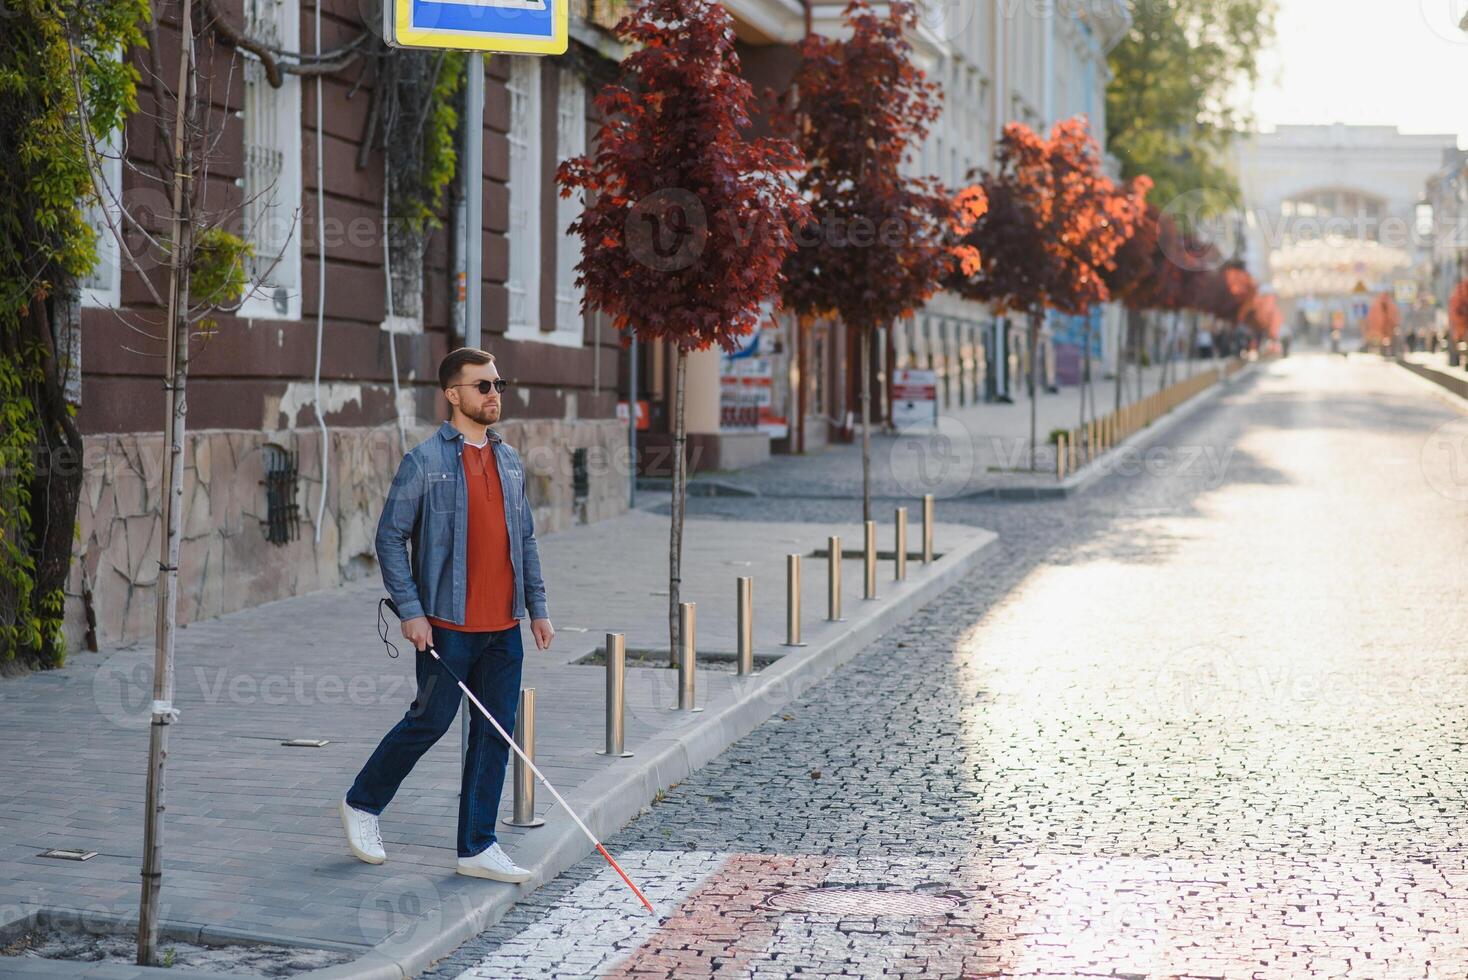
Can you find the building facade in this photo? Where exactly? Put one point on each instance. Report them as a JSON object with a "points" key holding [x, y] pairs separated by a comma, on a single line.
{"points": [[287, 462], [1332, 214], [267, 513]]}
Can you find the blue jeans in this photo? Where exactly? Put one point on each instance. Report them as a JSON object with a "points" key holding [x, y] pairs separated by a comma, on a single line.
{"points": [[490, 664]]}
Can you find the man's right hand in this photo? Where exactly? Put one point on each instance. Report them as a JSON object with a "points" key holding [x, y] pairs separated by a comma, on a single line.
{"points": [[418, 632]]}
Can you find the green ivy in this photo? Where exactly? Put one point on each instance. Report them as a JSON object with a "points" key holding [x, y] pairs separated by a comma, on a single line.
{"points": [[45, 185]]}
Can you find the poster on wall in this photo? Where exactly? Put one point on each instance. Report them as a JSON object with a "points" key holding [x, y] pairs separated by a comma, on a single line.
{"points": [[747, 401], [914, 399]]}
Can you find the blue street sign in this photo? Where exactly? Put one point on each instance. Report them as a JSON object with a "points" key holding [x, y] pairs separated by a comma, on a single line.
{"points": [[507, 26]]}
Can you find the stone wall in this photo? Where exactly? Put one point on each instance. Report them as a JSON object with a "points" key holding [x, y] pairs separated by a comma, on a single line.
{"points": [[227, 563]]}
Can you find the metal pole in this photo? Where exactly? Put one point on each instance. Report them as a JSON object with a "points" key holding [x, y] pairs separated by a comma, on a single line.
{"points": [[687, 656], [524, 815], [833, 580], [473, 255], [927, 529], [792, 601], [869, 562], [474, 201], [616, 696], [632, 426], [899, 547], [744, 603]]}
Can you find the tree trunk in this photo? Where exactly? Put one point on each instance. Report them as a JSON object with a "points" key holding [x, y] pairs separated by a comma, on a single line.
{"points": [[866, 424], [55, 487], [1123, 339], [174, 434], [1034, 352], [1085, 377], [680, 498]]}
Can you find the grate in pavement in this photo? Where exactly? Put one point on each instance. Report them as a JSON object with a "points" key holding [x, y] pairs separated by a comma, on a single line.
{"points": [[862, 902]]}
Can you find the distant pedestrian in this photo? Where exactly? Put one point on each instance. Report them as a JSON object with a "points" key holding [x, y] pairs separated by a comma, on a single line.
{"points": [[456, 542]]}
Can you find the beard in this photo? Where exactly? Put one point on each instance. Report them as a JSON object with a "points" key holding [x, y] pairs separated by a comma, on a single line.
{"points": [[487, 414]]}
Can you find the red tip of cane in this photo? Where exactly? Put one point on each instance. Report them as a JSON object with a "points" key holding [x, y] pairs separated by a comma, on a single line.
{"points": [[630, 884]]}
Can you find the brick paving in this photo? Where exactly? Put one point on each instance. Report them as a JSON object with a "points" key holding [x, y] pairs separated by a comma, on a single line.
{"points": [[253, 841], [1194, 723]]}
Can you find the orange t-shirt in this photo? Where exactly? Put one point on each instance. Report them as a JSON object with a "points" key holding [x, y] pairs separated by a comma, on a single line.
{"points": [[490, 586]]}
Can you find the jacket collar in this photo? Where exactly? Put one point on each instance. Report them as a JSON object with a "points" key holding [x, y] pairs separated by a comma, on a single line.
{"points": [[448, 433]]}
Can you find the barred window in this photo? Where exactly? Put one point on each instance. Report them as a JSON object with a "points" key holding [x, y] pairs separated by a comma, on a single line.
{"points": [[570, 142], [523, 285], [272, 166]]}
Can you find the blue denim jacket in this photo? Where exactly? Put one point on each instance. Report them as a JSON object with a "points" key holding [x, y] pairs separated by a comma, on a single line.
{"points": [[429, 507]]}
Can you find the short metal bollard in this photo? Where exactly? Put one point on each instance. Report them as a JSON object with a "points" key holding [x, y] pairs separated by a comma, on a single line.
{"points": [[744, 627], [833, 580], [687, 656], [927, 529], [524, 810], [616, 697], [899, 546], [869, 562], [792, 601]]}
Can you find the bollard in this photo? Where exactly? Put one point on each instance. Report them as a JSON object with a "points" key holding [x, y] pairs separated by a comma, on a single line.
{"points": [[833, 580], [927, 529], [524, 810], [899, 546], [1075, 438], [744, 613], [616, 697], [687, 656], [869, 562], [1060, 457], [792, 601]]}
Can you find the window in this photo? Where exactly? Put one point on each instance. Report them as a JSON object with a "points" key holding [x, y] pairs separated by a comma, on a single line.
{"points": [[103, 286], [570, 142], [272, 167], [524, 137]]}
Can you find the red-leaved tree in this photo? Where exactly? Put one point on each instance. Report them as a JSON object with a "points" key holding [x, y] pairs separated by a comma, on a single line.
{"points": [[688, 220], [1382, 320], [1130, 280], [1458, 312], [879, 242], [1052, 229]]}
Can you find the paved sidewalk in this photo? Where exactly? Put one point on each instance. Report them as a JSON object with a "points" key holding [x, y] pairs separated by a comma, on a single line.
{"points": [[254, 846], [976, 450]]}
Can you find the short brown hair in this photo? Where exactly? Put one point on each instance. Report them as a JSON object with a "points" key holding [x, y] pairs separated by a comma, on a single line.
{"points": [[451, 368]]}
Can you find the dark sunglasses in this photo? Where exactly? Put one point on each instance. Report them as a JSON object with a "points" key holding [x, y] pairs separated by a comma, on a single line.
{"points": [[498, 384]]}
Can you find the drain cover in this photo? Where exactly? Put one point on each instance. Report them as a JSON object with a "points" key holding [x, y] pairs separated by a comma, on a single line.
{"points": [[855, 901]]}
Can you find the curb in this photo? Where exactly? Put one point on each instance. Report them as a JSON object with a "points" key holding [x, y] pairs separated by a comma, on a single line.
{"points": [[1086, 477], [1447, 387], [607, 803]]}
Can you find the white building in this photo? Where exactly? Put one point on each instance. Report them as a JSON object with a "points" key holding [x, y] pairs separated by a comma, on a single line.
{"points": [[1331, 211]]}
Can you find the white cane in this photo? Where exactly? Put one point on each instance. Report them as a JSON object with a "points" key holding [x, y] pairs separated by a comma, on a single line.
{"points": [[538, 774]]}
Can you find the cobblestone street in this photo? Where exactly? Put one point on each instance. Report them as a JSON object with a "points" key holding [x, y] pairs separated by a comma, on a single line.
{"points": [[1205, 720]]}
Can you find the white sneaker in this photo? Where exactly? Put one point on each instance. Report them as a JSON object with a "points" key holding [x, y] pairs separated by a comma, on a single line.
{"points": [[493, 863], [363, 835]]}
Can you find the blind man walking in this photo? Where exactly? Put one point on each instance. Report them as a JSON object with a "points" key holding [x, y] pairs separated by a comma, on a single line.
{"points": [[456, 543]]}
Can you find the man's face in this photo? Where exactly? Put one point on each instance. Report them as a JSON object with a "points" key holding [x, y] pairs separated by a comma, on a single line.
{"points": [[465, 396]]}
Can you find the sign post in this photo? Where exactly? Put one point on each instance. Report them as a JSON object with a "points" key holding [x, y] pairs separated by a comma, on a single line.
{"points": [[525, 27]]}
